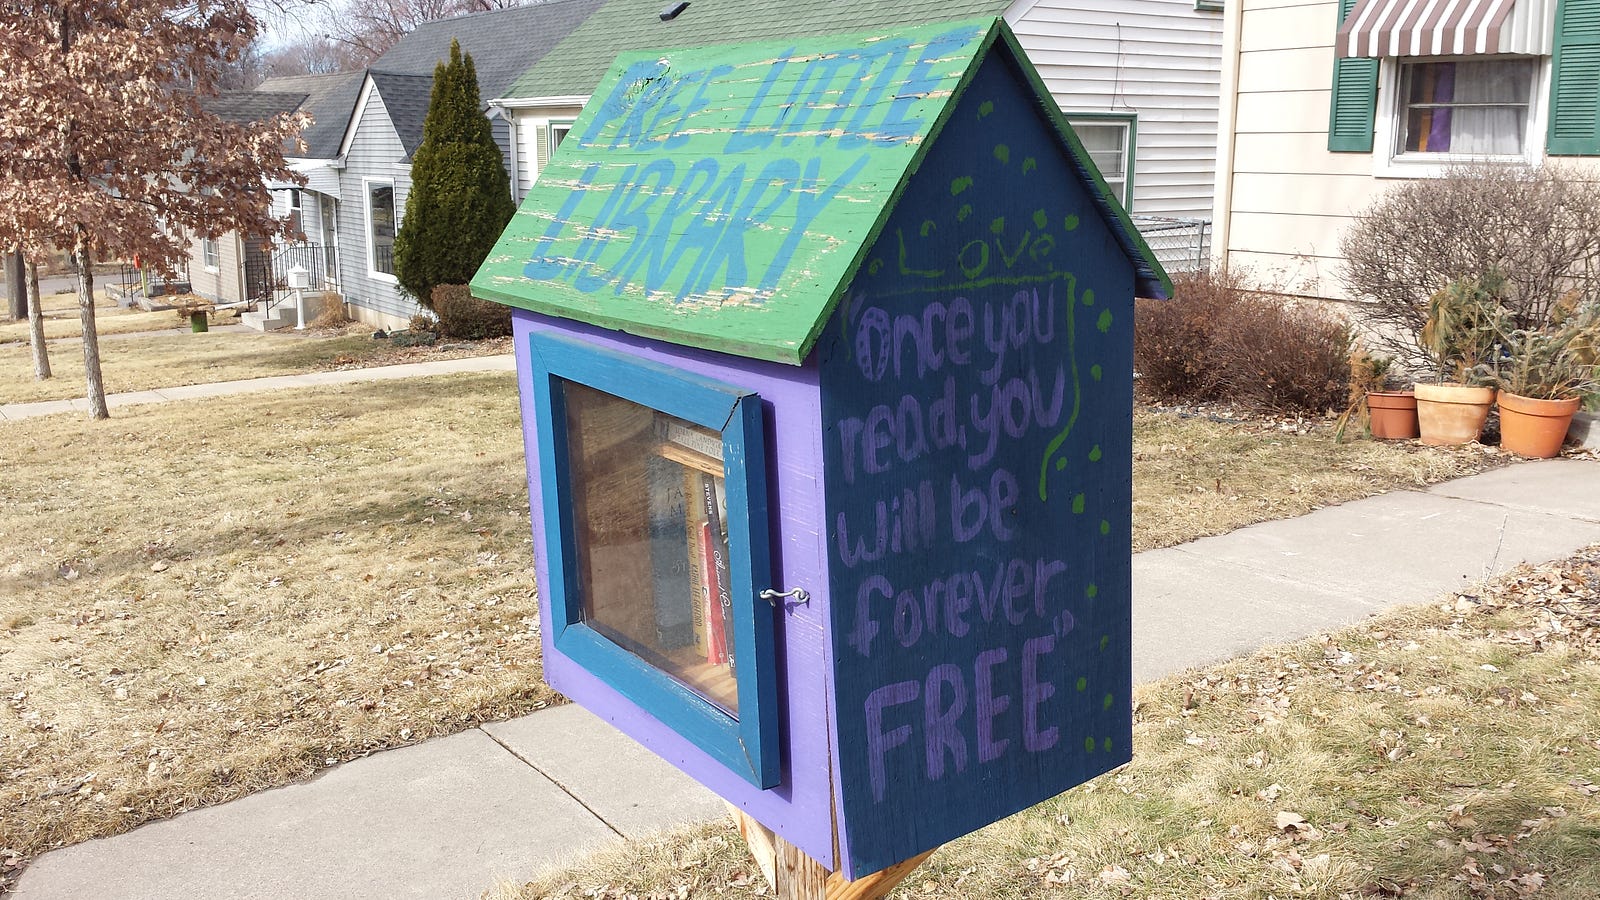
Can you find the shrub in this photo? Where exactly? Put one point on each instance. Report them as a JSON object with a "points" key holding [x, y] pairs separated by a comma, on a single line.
{"points": [[464, 317], [1220, 338], [1172, 338], [1276, 353], [1537, 228], [423, 323], [460, 196]]}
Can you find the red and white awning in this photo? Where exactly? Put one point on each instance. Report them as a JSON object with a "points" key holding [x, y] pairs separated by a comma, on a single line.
{"points": [[1447, 28]]}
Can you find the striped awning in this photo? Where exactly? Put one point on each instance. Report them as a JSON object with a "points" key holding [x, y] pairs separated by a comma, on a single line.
{"points": [[1447, 28]]}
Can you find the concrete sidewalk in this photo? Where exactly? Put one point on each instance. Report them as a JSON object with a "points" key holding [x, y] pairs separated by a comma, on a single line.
{"points": [[500, 363], [450, 817]]}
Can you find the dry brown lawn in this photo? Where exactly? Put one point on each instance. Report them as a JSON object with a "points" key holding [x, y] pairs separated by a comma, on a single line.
{"points": [[1194, 476], [1450, 751], [144, 362], [201, 600], [61, 320]]}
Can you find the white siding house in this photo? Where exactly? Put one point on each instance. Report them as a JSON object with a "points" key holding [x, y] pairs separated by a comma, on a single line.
{"points": [[1151, 68], [1317, 123], [386, 129]]}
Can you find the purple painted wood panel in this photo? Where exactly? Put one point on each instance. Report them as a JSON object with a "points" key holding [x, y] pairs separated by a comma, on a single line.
{"points": [[801, 808]]}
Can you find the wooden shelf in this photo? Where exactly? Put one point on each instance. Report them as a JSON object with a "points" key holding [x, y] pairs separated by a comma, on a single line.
{"points": [[689, 459]]}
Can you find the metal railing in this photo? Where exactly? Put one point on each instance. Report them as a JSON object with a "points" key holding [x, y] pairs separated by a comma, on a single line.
{"points": [[1181, 245], [267, 273], [130, 284]]}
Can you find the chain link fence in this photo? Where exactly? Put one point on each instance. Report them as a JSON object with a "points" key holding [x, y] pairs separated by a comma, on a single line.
{"points": [[1181, 245]]}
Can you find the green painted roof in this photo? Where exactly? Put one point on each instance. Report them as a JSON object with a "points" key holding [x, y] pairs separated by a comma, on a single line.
{"points": [[576, 65], [693, 202], [723, 197]]}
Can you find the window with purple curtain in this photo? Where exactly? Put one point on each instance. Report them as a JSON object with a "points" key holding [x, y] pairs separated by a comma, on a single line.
{"points": [[1466, 107]]}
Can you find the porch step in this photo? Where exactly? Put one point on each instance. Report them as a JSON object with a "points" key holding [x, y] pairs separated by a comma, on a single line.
{"points": [[280, 316]]}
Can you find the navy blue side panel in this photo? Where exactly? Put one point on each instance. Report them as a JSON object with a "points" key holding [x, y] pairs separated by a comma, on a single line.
{"points": [[977, 415]]}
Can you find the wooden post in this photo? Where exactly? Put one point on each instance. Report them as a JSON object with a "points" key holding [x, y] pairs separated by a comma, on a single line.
{"points": [[796, 876]]}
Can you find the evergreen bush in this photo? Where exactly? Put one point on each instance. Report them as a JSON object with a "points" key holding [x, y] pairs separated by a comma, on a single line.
{"points": [[460, 197]]}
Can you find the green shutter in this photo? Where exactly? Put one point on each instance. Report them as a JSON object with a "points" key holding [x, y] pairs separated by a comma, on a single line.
{"points": [[1575, 80], [1355, 97]]}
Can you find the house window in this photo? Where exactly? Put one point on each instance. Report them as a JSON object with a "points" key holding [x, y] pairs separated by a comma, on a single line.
{"points": [[297, 229], [380, 228], [1479, 107], [1109, 139], [209, 256], [558, 133]]}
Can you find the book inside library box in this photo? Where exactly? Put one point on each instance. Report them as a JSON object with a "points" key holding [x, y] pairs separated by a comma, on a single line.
{"points": [[654, 575]]}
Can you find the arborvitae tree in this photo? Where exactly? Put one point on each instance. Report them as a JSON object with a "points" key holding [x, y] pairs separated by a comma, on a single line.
{"points": [[460, 196]]}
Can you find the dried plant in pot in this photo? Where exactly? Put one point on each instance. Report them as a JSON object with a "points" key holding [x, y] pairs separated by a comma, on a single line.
{"points": [[1543, 375], [1465, 321], [1380, 403]]}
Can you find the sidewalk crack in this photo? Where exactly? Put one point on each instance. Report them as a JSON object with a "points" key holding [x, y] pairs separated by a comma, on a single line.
{"points": [[553, 780]]}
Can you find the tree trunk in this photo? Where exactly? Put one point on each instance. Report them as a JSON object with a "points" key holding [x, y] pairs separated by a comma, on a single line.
{"points": [[91, 339], [16, 285], [41, 359]]}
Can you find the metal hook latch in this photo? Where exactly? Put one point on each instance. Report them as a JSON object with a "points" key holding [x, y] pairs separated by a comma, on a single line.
{"points": [[799, 595]]}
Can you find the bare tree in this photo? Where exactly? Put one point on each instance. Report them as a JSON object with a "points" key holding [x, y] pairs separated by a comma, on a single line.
{"points": [[310, 54], [367, 28], [106, 147]]}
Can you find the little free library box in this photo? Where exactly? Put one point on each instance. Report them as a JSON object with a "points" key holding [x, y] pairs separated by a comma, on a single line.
{"points": [[825, 361]]}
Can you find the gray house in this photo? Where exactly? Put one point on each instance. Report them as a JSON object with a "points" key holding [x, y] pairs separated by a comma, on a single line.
{"points": [[386, 129], [236, 269]]}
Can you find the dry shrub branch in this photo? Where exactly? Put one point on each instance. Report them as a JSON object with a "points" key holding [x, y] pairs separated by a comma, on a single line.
{"points": [[1222, 338], [1537, 228]]}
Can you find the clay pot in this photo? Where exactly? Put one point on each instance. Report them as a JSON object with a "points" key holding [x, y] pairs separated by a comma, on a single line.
{"points": [[1393, 415], [1534, 428], [1449, 414]]}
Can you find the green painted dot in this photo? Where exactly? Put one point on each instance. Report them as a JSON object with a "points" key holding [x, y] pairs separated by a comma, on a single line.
{"points": [[1104, 323], [1040, 219], [1088, 745], [1061, 463], [963, 212], [985, 108], [1029, 164], [1095, 454], [929, 226], [1088, 298], [1002, 153], [1083, 684], [1077, 503], [1071, 224], [1106, 703], [1096, 372], [1105, 527], [1105, 641], [1092, 591], [959, 185], [1106, 745], [998, 225]]}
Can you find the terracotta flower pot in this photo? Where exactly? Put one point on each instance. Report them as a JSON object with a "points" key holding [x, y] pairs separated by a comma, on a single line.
{"points": [[1394, 415], [1449, 414], [1534, 428]]}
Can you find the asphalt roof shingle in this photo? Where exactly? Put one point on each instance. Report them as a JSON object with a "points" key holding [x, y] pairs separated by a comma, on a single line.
{"points": [[575, 66], [406, 98], [330, 100], [503, 43], [246, 107]]}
